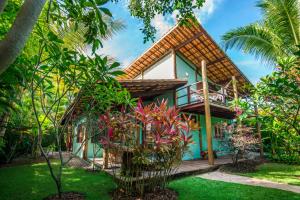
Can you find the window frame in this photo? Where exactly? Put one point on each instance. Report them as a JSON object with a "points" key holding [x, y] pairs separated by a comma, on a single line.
{"points": [[218, 131]]}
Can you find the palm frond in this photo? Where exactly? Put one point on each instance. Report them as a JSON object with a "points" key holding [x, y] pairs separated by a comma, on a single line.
{"points": [[74, 37], [113, 27], [283, 17], [254, 39]]}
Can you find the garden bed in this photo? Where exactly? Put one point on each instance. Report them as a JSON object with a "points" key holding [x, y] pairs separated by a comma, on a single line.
{"points": [[160, 194], [246, 166]]}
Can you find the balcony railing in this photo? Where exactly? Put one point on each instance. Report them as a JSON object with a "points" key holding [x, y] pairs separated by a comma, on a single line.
{"points": [[193, 93]]}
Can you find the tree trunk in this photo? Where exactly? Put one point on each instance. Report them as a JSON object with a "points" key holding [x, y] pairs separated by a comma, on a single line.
{"points": [[258, 130], [2, 5], [3, 123], [15, 40]]}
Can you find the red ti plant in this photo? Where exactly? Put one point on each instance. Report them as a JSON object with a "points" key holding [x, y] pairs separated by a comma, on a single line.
{"points": [[151, 140], [163, 126]]}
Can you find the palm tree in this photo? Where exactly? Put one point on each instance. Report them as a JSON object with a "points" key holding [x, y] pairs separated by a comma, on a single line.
{"points": [[74, 38], [276, 35]]}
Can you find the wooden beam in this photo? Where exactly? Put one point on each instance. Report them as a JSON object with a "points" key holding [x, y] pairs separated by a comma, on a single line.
{"points": [[220, 49], [207, 115], [69, 136], [188, 41], [200, 134], [235, 91], [105, 158], [189, 94], [216, 61], [174, 63], [86, 142], [149, 94]]}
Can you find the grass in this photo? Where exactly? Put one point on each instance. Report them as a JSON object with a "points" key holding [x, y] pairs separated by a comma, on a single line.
{"points": [[202, 189], [33, 182], [276, 172]]}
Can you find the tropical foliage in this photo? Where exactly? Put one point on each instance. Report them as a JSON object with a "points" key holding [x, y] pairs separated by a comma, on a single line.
{"points": [[149, 142], [84, 15], [277, 97], [274, 102], [239, 141]]}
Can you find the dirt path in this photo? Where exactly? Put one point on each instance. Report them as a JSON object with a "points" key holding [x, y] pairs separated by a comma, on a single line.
{"points": [[221, 176]]}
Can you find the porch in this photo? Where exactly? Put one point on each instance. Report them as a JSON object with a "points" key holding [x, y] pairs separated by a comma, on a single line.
{"points": [[190, 167], [190, 98], [186, 168]]}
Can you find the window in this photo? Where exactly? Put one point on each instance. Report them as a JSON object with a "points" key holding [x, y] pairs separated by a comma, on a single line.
{"points": [[79, 133], [219, 131]]}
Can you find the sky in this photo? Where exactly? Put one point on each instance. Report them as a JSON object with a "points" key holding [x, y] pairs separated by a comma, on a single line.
{"points": [[216, 16]]}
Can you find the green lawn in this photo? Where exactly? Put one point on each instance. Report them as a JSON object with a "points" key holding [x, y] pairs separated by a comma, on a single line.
{"points": [[202, 189], [33, 182], [281, 173]]}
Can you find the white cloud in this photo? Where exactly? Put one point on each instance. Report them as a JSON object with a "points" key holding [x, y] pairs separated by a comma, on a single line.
{"points": [[165, 23], [119, 46], [162, 24], [208, 8]]}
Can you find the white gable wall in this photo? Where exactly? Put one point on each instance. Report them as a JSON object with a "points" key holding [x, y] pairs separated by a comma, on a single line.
{"points": [[139, 76], [163, 69]]}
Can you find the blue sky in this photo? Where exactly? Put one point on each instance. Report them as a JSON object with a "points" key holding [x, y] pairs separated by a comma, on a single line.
{"points": [[216, 16]]}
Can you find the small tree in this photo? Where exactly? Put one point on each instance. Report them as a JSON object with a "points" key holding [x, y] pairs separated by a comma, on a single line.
{"points": [[98, 99], [239, 141], [149, 142], [55, 74]]}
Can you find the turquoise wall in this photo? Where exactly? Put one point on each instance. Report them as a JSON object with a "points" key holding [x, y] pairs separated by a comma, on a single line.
{"points": [[169, 95], [184, 68], [194, 149], [76, 145], [217, 145], [91, 147]]}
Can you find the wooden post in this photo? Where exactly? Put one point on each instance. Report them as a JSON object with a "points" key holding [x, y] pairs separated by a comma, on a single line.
{"points": [[188, 94], [207, 115], [85, 146], [235, 91], [258, 126], [200, 135], [175, 75], [105, 158], [174, 63], [69, 137]]}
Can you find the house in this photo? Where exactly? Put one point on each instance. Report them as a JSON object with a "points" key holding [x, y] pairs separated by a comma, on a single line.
{"points": [[188, 68]]}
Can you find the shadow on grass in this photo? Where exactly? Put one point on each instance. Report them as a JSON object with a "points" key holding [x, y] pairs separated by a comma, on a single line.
{"points": [[277, 172], [34, 182], [202, 189]]}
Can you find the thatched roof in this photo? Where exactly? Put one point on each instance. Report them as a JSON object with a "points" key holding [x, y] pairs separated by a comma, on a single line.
{"points": [[194, 43]]}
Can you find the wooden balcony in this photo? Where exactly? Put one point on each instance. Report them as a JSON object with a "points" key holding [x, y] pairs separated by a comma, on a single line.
{"points": [[190, 98]]}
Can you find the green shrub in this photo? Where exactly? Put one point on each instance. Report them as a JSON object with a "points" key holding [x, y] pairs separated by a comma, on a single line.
{"points": [[288, 159]]}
